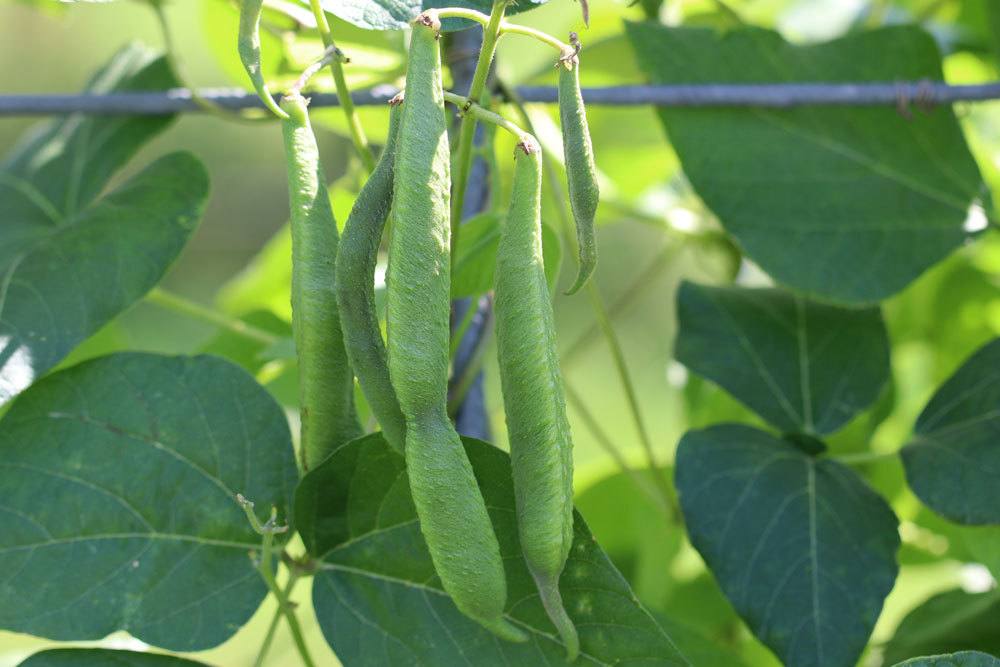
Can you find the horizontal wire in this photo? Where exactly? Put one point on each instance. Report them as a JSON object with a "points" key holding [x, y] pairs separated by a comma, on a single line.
{"points": [[901, 94]]}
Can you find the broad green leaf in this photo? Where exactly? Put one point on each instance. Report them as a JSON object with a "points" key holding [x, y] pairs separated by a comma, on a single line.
{"points": [[951, 621], [476, 256], [962, 659], [847, 204], [397, 14], [68, 263], [118, 479], [801, 365], [802, 547], [379, 602], [101, 657], [953, 461]]}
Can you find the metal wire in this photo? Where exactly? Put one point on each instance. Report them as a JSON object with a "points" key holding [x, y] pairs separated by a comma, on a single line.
{"points": [[900, 94]]}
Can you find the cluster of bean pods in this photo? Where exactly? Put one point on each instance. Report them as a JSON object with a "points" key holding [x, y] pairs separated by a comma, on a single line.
{"points": [[405, 378]]}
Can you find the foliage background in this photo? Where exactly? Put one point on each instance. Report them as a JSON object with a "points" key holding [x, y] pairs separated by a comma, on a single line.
{"points": [[934, 324]]}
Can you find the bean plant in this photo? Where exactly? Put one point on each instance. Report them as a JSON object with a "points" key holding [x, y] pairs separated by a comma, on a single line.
{"points": [[321, 483]]}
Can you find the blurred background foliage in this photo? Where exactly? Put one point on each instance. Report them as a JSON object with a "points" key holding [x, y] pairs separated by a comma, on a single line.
{"points": [[237, 262]]}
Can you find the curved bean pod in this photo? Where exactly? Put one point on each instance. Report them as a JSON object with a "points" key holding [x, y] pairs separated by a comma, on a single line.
{"points": [[326, 382], [248, 46], [541, 447], [452, 512], [581, 172], [356, 259]]}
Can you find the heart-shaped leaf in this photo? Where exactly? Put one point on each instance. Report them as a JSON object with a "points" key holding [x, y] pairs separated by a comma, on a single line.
{"points": [[379, 601], [803, 366], [68, 263], [953, 461], [962, 659], [848, 204], [950, 621], [801, 546], [101, 657], [117, 480]]}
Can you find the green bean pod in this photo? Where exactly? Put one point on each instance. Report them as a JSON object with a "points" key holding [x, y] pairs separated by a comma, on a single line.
{"points": [[541, 447], [326, 382], [357, 256], [248, 45], [581, 172], [449, 504]]}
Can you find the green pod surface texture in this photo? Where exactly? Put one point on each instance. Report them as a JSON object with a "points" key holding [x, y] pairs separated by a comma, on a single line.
{"points": [[357, 256], [326, 382], [449, 504], [581, 172], [248, 45], [541, 447]]}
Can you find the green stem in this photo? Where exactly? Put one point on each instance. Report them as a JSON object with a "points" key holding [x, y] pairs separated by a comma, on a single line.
{"points": [[506, 27], [293, 578], [467, 128], [863, 458], [597, 303], [468, 377], [466, 106], [463, 326], [343, 92], [179, 304]]}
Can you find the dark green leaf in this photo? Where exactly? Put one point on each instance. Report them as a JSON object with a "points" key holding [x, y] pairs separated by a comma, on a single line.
{"points": [[962, 659], [953, 461], [118, 479], [476, 256], [68, 263], [801, 365], [379, 602], [947, 622], [848, 204], [100, 657], [397, 14], [803, 549]]}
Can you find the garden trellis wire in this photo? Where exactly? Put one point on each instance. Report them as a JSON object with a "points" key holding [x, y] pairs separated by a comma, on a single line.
{"points": [[901, 94]]}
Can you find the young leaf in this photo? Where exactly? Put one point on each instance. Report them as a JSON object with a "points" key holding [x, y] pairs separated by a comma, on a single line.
{"points": [[803, 366], [962, 659], [953, 461], [118, 479], [804, 550], [950, 621], [379, 602], [848, 204], [101, 657], [394, 15], [68, 263]]}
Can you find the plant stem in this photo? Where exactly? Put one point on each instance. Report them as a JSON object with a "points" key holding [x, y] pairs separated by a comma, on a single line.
{"points": [[506, 27], [467, 128], [464, 383], [466, 106], [293, 578], [863, 458], [343, 92], [268, 530], [597, 303], [467, 317], [179, 304]]}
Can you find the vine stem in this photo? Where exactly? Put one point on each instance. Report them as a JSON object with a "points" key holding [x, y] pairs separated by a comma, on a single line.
{"points": [[293, 578], [467, 128], [267, 531], [506, 27], [179, 304], [862, 458], [597, 305], [467, 106], [358, 137]]}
